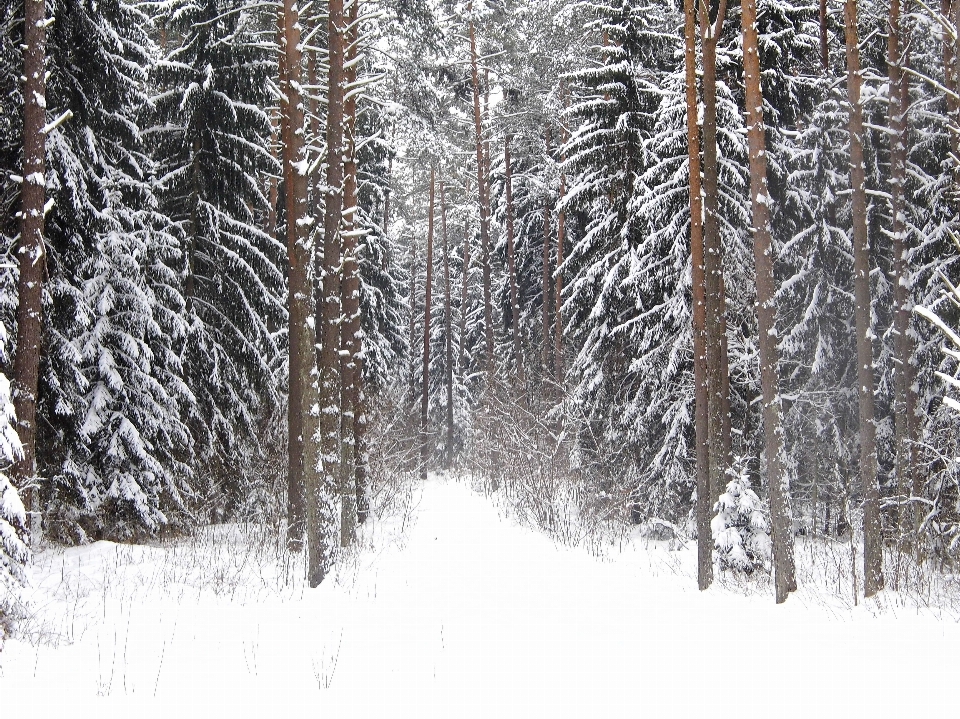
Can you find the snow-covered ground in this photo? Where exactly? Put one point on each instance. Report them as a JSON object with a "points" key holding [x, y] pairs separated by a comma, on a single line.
{"points": [[452, 609]]}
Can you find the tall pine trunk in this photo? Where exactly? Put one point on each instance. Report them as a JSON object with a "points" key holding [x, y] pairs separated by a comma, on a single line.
{"points": [[872, 548], [905, 401], [717, 374], [483, 197], [558, 287], [511, 261], [299, 292], [447, 330], [780, 513], [318, 488], [31, 256], [428, 301], [545, 277], [701, 397], [350, 336]]}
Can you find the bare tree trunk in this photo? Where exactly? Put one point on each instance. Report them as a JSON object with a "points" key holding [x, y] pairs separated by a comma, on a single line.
{"points": [[464, 291], [950, 10], [701, 397], [350, 336], [905, 401], [511, 262], [428, 301], [824, 46], [299, 294], [545, 359], [780, 513], [318, 487], [483, 196], [717, 374], [413, 321], [448, 329], [31, 257], [872, 548], [558, 289]]}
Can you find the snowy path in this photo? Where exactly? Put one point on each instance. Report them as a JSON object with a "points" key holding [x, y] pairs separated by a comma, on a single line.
{"points": [[464, 613]]}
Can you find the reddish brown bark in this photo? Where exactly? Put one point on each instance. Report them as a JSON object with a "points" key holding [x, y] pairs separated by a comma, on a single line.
{"points": [[872, 548], [483, 197], [511, 263], [698, 281], [905, 399], [31, 256], [299, 304], [427, 306], [780, 513], [717, 374], [545, 281], [824, 46], [448, 330], [558, 289], [351, 335]]}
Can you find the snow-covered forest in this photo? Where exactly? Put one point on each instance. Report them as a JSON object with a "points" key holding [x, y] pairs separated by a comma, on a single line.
{"points": [[649, 276]]}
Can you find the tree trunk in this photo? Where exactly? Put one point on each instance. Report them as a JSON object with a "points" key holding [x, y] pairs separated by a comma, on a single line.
{"points": [[824, 46], [318, 486], [950, 10], [780, 512], [350, 336], [483, 196], [905, 401], [428, 301], [447, 329], [511, 262], [701, 398], [299, 304], [464, 292], [716, 337], [545, 359], [558, 289], [872, 548], [31, 257]]}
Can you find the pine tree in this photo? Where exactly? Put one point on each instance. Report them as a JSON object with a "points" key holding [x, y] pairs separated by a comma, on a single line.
{"points": [[741, 528], [13, 552], [212, 135]]}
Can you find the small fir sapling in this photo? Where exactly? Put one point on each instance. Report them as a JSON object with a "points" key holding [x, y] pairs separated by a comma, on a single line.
{"points": [[13, 552], [741, 528]]}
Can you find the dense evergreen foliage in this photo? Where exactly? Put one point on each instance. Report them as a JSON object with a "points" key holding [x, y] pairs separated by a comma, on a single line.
{"points": [[164, 360]]}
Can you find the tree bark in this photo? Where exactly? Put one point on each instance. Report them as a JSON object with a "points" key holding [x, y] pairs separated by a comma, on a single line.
{"points": [[511, 262], [428, 301], [483, 197], [318, 487], [351, 333], [717, 374], [31, 258], [545, 282], [780, 511], [698, 281], [872, 548], [950, 10], [558, 288], [448, 329], [824, 46], [464, 292], [299, 292], [905, 401]]}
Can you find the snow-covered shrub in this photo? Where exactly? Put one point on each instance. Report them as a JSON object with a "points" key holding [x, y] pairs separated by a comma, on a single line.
{"points": [[13, 552], [741, 529]]}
